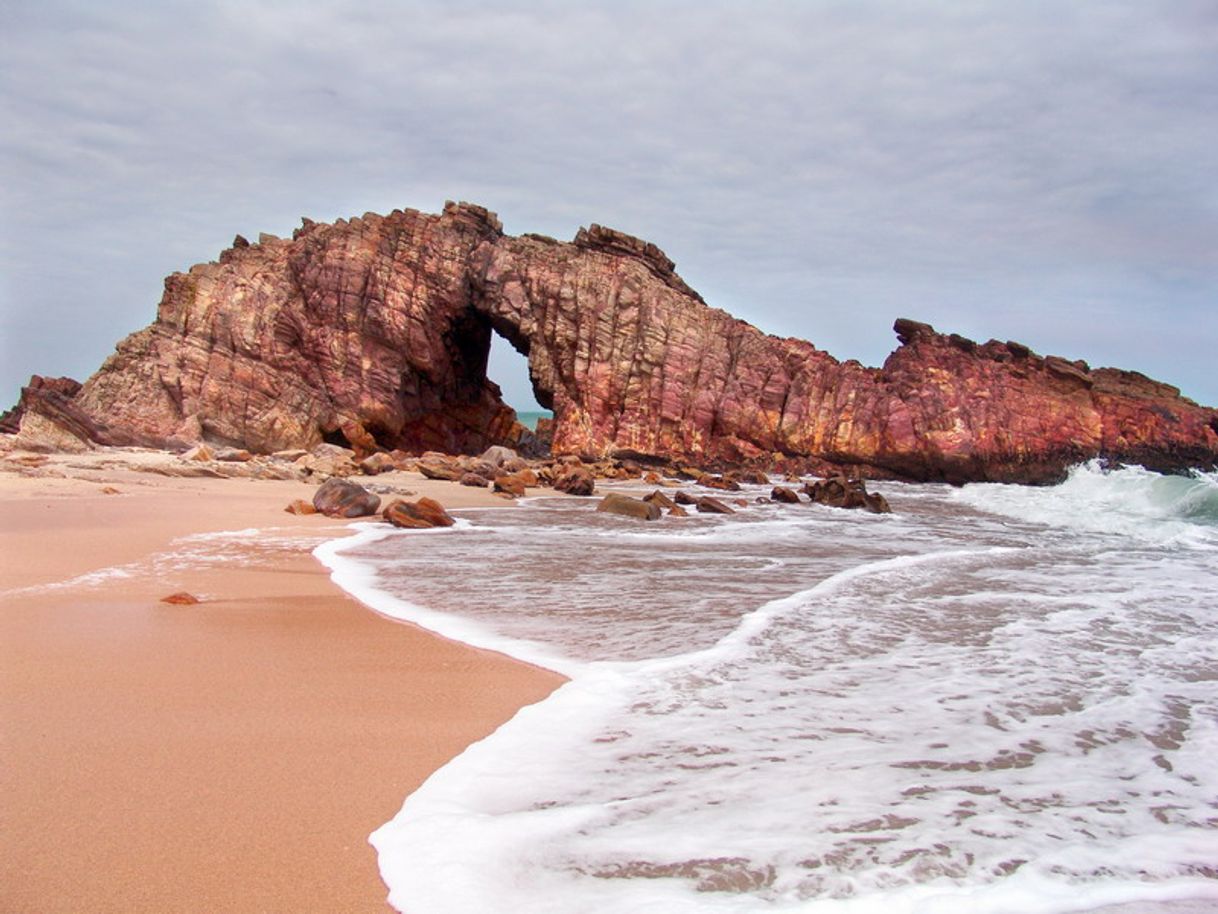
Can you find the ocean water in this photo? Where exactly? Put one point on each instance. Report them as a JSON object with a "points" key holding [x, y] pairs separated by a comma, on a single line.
{"points": [[996, 700], [528, 418]]}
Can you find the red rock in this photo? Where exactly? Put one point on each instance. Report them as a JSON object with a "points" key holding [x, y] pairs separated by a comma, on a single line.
{"points": [[300, 506], [375, 464], [473, 479], [785, 495], [876, 503], [233, 455], [497, 455], [615, 503], [677, 511], [575, 481], [426, 512], [723, 483], [38, 388], [513, 484], [684, 498], [375, 331], [442, 471], [659, 498], [338, 497], [181, 598], [708, 505], [840, 492], [754, 477]]}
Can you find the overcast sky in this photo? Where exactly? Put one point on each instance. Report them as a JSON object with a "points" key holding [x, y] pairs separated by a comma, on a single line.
{"points": [[1038, 171]]}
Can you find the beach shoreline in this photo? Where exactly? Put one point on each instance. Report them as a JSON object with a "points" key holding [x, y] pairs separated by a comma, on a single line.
{"points": [[232, 755]]}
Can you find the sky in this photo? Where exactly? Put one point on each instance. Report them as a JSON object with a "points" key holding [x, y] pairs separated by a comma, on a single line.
{"points": [[1039, 171]]}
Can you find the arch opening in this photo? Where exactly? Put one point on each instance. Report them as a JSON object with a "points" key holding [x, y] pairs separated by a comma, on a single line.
{"points": [[508, 367]]}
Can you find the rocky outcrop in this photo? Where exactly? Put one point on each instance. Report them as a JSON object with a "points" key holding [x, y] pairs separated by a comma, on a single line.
{"points": [[374, 332], [840, 492]]}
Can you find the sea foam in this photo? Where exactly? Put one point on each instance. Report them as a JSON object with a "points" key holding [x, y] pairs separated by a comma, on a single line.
{"points": [[986, 702]]}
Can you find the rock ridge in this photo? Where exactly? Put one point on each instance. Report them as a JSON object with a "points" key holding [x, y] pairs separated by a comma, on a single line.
{"points": [[374, 331]]}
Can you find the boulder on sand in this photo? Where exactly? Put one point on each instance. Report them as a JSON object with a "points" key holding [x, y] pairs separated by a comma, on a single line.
{"points": [[426, 512], [575, 481], [338, 497]]}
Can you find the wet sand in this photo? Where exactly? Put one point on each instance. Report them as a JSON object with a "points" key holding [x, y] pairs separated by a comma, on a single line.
{"points": [[232, 755]]}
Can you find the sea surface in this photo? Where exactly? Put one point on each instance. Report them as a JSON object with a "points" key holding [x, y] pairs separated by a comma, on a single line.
{"points": [[996, 700], [529, 418]]}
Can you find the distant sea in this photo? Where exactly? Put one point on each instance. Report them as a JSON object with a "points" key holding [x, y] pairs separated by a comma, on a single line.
{"points": [[529, 419], [996, 700]]}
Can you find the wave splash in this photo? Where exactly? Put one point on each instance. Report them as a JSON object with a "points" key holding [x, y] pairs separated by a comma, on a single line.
{"points": [[996, 700], [1128, 500]]}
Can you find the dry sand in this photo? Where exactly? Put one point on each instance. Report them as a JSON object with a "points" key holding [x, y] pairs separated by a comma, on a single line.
{"points": [[228, 756]]}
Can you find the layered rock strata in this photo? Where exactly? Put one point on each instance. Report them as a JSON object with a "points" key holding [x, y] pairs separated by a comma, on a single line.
{"points": [[375, 331]]}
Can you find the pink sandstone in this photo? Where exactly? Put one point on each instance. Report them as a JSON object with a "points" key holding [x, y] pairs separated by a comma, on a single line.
{"points": [[375, 331]]}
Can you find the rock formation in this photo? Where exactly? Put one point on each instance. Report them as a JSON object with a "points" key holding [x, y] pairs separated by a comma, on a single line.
{"points": [[375, 331]]}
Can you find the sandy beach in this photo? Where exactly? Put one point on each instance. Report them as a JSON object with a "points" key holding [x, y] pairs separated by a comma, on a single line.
{"points": [[232, 755]]}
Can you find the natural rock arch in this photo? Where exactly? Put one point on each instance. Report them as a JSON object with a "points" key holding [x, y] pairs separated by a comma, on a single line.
{"points": [[377, 329]]}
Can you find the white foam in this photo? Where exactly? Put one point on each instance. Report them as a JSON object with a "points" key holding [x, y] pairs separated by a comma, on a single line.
{"points": [[362, 582], [1129, 501], [940, 713]]}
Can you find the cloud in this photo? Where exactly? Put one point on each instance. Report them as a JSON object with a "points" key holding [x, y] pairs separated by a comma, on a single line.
{"points": [[1038, 171]]}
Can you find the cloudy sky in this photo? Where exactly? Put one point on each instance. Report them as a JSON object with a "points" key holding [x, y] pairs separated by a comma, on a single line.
{"points": [[1039, 171]]}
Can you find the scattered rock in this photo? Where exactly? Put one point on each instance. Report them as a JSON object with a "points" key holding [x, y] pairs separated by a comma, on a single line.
{"points": [[201, 453], [575, 480], [876, 503], [754, 477], [300, 506], [341, 498], [513, 485], [708, 505], [426, 512], [181, 598], [677, 511], [110, 490], [840, 492], [723, 483], [444, 471], [614, 503], [377, 463], [784, 495], [497, 454], [233, 455], [181, 471], [473, 479], [328, 460], [684, 498], [659, 498]]}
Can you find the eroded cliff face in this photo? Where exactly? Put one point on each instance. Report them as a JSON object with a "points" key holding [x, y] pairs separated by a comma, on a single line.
{"points": [[361, 330], [376, 330]]}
